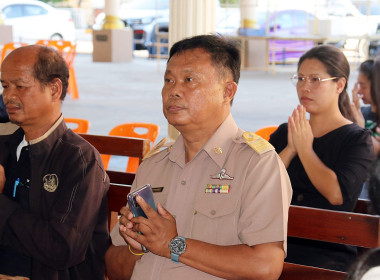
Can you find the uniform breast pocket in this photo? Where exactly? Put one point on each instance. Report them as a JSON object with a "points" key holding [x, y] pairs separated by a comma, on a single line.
{"points": [[215, 219]]}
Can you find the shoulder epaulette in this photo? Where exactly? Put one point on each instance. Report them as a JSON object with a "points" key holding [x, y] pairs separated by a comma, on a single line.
{"points": [[157, 148], [256, 142]]}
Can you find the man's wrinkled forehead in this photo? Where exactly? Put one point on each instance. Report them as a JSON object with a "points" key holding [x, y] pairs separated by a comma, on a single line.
{"points": [[12, 76]]}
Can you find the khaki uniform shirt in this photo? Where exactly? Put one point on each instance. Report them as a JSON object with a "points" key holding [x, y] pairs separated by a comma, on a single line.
{"points": [[7, 128], [254, 211]]}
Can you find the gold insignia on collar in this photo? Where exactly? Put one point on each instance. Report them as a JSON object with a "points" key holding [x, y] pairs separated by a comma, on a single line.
{"points": [[157, 148], [257, 143], [218, 150]]}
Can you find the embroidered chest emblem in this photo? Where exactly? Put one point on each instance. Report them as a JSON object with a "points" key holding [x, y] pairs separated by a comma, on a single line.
{"points": [[222, 175], [50, 182]]}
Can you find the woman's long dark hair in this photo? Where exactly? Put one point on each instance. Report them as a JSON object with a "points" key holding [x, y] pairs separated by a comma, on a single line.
{"points": [[337, 66]]}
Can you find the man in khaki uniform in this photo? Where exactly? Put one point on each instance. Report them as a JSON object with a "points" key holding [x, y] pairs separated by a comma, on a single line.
{"points": [[6, 127], [223, 194]]}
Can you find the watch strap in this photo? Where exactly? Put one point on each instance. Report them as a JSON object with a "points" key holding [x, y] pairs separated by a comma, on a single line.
{"points": [[174, 257]]}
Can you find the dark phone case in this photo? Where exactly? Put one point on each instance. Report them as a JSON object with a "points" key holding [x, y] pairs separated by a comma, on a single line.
{"points": [[147, 194]]}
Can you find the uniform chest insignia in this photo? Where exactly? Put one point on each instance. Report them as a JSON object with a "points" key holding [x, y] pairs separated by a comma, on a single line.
{"points": [[50, 182], [222, 175], [211, 188]]}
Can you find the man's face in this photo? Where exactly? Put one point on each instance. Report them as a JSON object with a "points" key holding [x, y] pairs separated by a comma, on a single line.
{"points": [[26, 101], [194, 95]]}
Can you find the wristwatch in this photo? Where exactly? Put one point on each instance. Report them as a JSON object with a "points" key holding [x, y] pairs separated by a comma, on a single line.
{"points": [[177, 247]]}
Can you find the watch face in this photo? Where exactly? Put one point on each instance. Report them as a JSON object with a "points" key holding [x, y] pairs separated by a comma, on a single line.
{"points": [[177, 246]]}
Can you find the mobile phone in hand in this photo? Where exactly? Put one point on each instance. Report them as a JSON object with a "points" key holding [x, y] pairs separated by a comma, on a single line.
{"points": [[147, 194]]}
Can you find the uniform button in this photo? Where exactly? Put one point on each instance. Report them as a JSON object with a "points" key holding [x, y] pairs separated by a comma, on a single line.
{"points": [[195, 212], [183, 182], [213, 212], [300, 197]]}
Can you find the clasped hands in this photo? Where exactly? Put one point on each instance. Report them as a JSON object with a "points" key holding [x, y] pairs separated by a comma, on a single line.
{"points": [[156, 232], [356, 110], [355, 106], [300, 135]]}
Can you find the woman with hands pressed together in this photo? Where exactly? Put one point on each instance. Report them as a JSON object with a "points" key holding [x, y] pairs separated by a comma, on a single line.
{"points": [[327, 156], [366, 116]]}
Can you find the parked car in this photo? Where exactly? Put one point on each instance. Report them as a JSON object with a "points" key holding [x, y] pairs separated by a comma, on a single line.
{"points": [[333, 20], [144, 17], [34, 20], [281, 23], [287, 23], [371, 10]]}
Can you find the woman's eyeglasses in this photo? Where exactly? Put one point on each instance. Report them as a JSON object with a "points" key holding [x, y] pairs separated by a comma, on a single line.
{"points": [[314, 80]]}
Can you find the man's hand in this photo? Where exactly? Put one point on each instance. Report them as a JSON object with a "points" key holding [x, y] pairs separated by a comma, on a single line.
{"points": [[156, 232], [2, 178]]}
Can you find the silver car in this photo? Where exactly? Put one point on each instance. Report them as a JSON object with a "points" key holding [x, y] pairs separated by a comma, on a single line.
{"points": [[34, 20]]}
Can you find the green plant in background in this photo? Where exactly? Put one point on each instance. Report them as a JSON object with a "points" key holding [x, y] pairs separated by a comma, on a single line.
{"points": [[229, 3]]}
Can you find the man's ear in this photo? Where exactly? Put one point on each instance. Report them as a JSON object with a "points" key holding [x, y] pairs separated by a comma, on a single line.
{"points": [[230, 89], [56, 89]]}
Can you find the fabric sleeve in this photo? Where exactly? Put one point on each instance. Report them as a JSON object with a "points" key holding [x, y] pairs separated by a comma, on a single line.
{"points": [[265, 202], [116, 238], [354, 162], [61, 238], [279, 138]]}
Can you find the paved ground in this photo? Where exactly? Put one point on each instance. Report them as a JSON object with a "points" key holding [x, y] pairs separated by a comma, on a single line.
{"points": [[115, 93]]}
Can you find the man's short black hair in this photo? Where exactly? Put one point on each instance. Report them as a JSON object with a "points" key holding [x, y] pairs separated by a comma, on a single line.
{"points": [[225, 53]]}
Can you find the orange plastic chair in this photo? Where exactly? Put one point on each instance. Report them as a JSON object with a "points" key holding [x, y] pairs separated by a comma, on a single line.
{"points": [[82, 125], [266, 131], [8, 47], [129, 130], [68, 51]]}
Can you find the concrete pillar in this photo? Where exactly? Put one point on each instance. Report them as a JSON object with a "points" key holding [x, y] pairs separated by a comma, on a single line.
{"points": [[114, 43], [189, 18], [247, 13], [112, 20]]}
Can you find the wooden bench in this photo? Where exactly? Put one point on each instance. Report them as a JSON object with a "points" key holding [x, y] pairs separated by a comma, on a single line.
{"points": [[120, 182], [356, 229], [363, 206]]}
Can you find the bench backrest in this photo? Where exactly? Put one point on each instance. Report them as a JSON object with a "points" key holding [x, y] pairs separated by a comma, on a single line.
{"points": [[120, 182], [356, 229], [318, 224], [363, 206]]}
